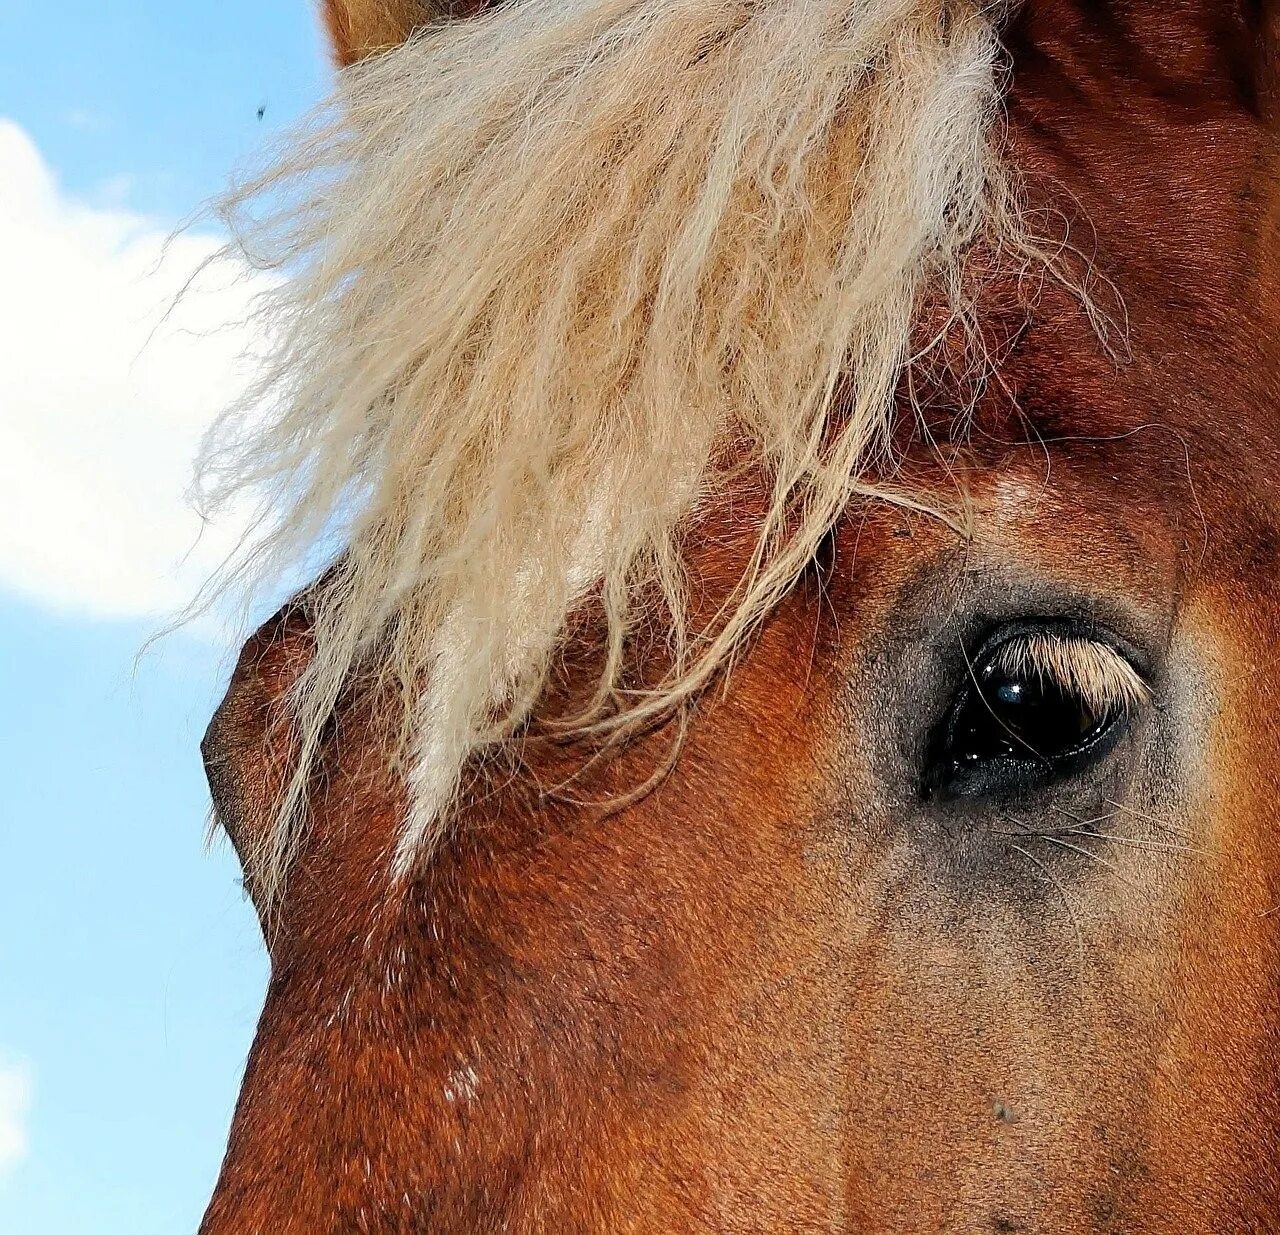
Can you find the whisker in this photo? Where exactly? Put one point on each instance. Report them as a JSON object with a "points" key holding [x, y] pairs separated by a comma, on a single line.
{"points": [[1085, 830], [1151, 819], [1139, 843], [1024, 829], [1111, 866], [1088, 830], [1058, 887], [1062, 810]]}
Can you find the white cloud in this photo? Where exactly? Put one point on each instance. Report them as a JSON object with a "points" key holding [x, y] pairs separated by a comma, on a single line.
{"points": [[15, 1102], [103, 399]]}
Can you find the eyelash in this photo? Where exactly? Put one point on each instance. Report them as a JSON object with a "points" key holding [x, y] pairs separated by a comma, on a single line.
{"points": [[1005, 731]]}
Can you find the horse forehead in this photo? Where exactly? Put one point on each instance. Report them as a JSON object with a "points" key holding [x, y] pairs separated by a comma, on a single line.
{"points": [[1196, 57], [1145, 124]]}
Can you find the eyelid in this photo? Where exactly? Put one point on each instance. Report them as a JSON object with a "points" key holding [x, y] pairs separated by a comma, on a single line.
{"points": [[1092, 669]]}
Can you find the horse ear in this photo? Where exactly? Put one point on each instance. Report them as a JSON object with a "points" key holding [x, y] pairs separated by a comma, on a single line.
{"points": [[360, 28]]}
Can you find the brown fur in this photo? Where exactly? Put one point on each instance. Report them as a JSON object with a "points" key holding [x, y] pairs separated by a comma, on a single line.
{"points": [[361, 28], [777, 994]]}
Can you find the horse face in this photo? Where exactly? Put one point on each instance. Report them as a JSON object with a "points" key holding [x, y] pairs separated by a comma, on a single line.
{"points": [[956, 908]]}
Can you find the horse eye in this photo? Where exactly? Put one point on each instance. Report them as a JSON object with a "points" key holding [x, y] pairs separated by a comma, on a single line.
{"points": [[1008, 730]]}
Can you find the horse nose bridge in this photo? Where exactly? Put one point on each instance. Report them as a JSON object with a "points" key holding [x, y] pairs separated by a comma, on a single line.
{"points": [[294, 1149]]}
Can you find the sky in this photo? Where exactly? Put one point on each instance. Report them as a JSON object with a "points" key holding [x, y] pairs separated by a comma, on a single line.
{"points": [[131, 967]]}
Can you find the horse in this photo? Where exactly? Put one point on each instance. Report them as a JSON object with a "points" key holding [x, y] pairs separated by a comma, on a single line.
{"points": [[781, 740]]}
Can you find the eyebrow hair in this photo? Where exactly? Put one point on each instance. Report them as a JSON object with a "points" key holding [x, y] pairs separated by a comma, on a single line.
{"points": [[1089, 668]]}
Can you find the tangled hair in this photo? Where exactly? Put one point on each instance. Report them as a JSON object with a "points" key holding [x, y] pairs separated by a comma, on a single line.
{"points": [[553, 274]]}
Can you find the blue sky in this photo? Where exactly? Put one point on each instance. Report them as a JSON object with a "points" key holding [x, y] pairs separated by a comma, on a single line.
{"points": [[131, 970]]}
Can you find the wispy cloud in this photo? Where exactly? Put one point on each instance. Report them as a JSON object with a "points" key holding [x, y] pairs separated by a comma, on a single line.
{"points": [[116, 190], [85, 120], [103, 398], [15, 1104]]}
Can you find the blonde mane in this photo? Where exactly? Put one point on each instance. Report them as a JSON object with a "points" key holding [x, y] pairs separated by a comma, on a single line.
{"points": [[553, 272]]}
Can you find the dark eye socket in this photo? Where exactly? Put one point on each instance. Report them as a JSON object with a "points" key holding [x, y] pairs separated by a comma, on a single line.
{"points": [[1016, 729]]}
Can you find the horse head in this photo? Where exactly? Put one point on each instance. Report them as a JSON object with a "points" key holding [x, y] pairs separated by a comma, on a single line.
{"points": [[784, 743]]}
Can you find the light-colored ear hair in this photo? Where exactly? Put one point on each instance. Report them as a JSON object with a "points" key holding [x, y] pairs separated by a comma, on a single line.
{"points": [[1091, 670], [553, 274], [360, 28]]}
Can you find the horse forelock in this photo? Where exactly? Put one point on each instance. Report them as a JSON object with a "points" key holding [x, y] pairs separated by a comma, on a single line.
{"points": [[554, 276]]}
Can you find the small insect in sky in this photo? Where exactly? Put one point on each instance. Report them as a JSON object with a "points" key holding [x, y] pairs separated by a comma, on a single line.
{"points": [[262, 110]]}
